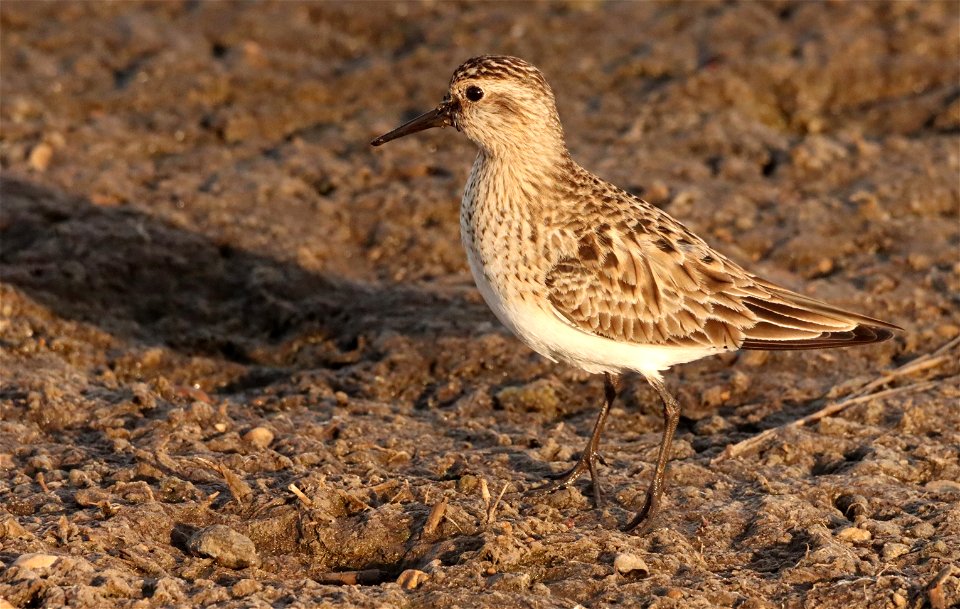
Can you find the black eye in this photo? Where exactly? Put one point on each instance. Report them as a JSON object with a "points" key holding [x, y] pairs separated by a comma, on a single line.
{"points": [[474, 93]]}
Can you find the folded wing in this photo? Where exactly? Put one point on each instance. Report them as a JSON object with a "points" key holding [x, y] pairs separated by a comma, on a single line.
{"points": [[667, 287]]}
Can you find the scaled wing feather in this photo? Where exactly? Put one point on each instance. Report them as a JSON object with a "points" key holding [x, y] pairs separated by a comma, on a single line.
{"points": [[655, 282]]}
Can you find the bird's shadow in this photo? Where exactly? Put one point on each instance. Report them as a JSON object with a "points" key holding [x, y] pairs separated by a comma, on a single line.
{"points": [[145, 279]]}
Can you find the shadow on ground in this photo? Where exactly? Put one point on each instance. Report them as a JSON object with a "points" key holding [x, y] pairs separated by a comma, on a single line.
{"points": [[141, 278]]}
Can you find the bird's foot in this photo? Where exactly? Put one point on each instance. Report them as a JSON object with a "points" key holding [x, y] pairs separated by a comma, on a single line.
{"points": [[643, 521], [587, 463]]}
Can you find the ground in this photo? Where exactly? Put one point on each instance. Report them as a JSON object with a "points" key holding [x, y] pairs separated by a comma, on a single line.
{"points": [[244, 363]]}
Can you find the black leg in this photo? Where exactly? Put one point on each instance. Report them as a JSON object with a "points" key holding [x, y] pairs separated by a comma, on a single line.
{"points": [[671, 415], [590, 454]]}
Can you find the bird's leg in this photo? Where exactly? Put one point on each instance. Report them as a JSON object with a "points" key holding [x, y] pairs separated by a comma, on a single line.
{"points": [[590, 454], [671, 415]]}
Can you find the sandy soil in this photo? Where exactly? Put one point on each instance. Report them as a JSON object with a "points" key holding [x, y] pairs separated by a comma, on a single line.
{"points": [[244, 364]]}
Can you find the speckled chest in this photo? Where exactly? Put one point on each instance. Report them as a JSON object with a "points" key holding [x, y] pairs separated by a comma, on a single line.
{"points": [[504, 233]]}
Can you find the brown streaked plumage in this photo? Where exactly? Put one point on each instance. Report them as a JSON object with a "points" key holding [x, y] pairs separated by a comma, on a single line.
{"points": [[588, 274]]}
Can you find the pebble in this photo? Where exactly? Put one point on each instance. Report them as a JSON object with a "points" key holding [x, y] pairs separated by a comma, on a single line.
{"points": [[412, 578], [854, 534], [630, 563], [922, 530], [245, 587], [224, 545], [36, 560], [893, 550], [40, 156], [899, 600], [261, 437], [11, 529]]}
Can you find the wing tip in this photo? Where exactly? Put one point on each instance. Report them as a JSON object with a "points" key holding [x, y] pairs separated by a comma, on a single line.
{"points": [[875, 334], [863, 334]]}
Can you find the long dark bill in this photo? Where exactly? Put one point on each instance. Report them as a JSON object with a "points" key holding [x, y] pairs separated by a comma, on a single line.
{"points": [[438, 117]]}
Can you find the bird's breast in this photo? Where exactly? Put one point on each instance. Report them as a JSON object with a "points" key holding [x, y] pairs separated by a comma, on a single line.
{"points": [[502, 237]]}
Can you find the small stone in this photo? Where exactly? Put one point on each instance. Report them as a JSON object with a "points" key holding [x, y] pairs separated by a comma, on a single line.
{"points": [[11, 529], [245, 587], [40, 156], [854, 534], [261, 437], [227, 547], [674, 593], [894, 550], [412, 578], [35, 561], [922, 530], [630, 564]]}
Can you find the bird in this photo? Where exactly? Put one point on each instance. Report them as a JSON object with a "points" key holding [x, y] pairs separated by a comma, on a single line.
{"points": [[588, 274]]}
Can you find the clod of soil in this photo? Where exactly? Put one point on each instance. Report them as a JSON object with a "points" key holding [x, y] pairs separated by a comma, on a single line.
{"points": [[224, 545]]}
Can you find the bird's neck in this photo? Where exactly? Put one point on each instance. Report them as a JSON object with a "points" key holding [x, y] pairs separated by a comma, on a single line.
{"points": [[529, 169]]}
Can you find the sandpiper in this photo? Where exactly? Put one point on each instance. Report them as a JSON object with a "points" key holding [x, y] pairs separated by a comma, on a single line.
{"points": [[588, 274]]}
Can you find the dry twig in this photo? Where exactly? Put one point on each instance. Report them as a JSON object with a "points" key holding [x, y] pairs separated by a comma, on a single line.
{"points": [[433, 519], [303, 498], [492, 510], [367, 577], [863, 394]]}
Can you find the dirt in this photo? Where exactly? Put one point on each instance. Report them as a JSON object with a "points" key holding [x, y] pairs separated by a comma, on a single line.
{"points": [[244, 364]]}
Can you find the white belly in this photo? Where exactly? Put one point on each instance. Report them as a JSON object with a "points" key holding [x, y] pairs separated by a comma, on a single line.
{"points": [[534, 321]]}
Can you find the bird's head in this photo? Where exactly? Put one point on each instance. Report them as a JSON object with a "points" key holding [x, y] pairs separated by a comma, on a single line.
{"points": [[503, 104]]}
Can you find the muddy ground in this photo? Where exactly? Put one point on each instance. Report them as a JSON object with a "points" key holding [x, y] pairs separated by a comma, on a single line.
{"points": [[221, 306]]}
